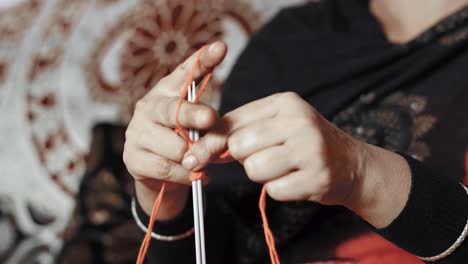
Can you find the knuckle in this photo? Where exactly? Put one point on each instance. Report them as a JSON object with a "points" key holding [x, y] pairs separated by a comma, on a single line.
{"points": [[217, 142], [249, 137], [126, 157], [164, 111], [179, 152], [323, 180], [305, 122], [297, 159], [199, 114], [208, 146], [319, 144], [289, 96], [163, 169], [164, 81], [128, 132], [200, 148], [276, 193], [165, 87], [313, 117], [251, 168], [133, 168], [234, 147], [140, 106], [182, 68]]}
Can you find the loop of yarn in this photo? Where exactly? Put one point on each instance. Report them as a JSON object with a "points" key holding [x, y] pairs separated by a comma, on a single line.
{"points": [[198, 175]]}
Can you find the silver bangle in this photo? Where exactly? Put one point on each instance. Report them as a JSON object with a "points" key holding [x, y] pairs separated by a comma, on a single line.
{"points": [[158, 236], [455, 245]]}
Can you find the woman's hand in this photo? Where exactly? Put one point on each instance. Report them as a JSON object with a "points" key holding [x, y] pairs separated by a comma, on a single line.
{"points": [[153, 151], [285, 143]]}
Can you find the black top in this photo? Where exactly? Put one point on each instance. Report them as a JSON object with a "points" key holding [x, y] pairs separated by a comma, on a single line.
{"points": [[410, 98]]}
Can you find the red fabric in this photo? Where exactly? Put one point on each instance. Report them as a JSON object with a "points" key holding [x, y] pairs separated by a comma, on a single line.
{"points": [[333, 262], [373, 249]]}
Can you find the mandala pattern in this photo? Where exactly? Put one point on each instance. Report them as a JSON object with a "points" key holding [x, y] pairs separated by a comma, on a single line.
{"points": [[14, 22], [106, 3], [156, 47], [398, 124], [163, 37], [3, 69], [42, 104], [160, 35], [55, 35]]}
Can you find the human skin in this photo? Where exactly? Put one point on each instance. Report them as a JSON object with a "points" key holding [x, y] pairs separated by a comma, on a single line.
{"points": [[310, 160], [281, 141]]}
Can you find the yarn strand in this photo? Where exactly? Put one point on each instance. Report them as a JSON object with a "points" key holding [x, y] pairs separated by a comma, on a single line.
{"points": [[270, 240], [146, 241]]}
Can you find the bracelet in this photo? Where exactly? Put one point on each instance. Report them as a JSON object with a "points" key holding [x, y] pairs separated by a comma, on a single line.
{"points": [[455, 245], [154, 235]]}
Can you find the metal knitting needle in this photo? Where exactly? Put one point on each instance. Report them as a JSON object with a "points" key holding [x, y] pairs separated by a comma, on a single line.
{"points": [[197, 194]]}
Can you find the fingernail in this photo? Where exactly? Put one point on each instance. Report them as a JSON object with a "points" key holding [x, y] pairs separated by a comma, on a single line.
{"points": [[189, 162], [212, 47]]}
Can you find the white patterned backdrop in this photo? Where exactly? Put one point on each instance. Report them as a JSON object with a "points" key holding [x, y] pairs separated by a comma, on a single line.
{"points": [[66, 65]]}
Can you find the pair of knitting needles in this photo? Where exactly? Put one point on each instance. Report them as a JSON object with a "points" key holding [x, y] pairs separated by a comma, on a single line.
{"points": [[197, 194]]}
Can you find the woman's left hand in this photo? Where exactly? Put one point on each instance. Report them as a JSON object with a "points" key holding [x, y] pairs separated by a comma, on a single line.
{"points": [[282, 141]]}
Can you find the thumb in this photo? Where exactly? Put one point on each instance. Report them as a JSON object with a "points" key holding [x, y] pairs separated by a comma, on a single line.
{"points": [[204, 151]]}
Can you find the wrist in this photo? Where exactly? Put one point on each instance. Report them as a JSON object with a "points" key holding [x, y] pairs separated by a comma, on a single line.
{"points": [[174, 200], [382, 186]]}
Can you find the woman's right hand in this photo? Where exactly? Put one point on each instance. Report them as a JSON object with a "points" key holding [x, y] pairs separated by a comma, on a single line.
{"points": [[154, 153]]}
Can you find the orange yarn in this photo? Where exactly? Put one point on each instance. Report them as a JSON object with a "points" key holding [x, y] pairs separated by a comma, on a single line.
{"points": [[270, 240], [146, 241], [196, 175]]}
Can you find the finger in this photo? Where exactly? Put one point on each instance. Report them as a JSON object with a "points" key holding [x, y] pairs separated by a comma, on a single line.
{"points": [[205, 150], [255, 111], [269, 164], [163, 110], [294, 186], [255, 137], [149, 165], [163, 142], [209, 58]]}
